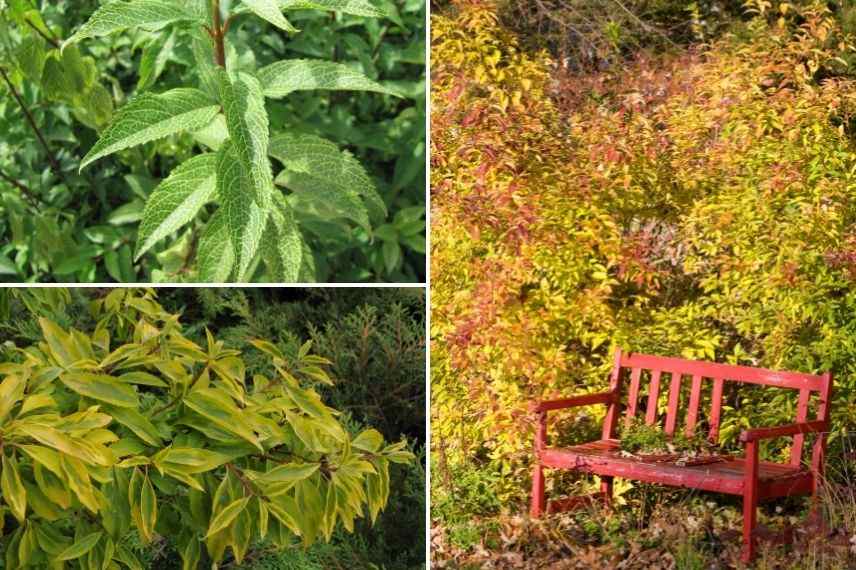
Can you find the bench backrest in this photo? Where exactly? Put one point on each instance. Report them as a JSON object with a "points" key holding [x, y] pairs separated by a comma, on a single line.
{"points": [[659, 377]]}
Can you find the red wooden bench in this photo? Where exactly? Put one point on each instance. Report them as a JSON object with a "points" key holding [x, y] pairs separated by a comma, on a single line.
{"points": [[747, 476]]}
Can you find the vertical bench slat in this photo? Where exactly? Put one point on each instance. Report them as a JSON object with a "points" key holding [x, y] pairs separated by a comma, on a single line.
{"points": [[802, 415], [653, 397], [819, 449], [695, 399], [633, 395], [715, 409], [674, 400], [615, 387]]}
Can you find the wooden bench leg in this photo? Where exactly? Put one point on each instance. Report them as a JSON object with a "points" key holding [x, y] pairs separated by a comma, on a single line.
{"points": [[537, 507], [750, 501], [606, 489], [750, 509]]}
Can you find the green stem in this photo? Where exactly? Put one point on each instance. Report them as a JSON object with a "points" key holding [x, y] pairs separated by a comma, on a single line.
{"points": [[218, 33]]}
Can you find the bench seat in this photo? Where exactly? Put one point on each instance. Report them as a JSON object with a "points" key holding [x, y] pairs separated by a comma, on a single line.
{"points": [[603, 457]]}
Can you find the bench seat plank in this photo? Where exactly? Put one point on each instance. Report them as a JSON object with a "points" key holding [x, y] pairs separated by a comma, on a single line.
{"points": [[604, 458]]}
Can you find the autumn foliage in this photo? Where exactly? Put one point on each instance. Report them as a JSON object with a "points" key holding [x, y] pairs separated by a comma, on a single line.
{"points": [[698, 204]]}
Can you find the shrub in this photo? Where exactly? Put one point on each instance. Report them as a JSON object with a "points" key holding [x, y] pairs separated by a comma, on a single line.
{"points": [[698, 204], [75, 81], [134, 432]]}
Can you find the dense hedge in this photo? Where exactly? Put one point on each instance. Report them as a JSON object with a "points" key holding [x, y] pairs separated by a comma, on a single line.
{"points": [[700, 204]]}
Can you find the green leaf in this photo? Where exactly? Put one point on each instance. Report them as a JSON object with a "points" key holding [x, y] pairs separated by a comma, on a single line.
{"points": [[154, 59], [284, 77], [150, 117], [354, 7], [244, 217], [216, 256], [321, 173], [80, 547], [13, 489], [269, 10], [31, 57], [225, 517], [391, 255], [283, 244], [177, 200], [120, 15], [101, 387]]}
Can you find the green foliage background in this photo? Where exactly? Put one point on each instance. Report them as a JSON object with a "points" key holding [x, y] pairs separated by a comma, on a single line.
{"points": [[695, 202], [59, 225], [375, 338]]}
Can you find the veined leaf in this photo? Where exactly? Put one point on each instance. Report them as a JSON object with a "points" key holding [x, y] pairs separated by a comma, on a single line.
{"points": [[244, 216], [150, 117], [101, 387], [121, 15], [354, 7], [154, 60], [13, 489], [81, 547], [247, 122], [317, 167], [283, 243], [216, 256], [269, 10], [284, 77], [177, 200], [225, 517]]}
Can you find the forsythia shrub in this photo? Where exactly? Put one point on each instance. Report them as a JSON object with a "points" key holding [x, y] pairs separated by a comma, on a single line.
{"points": [[700, 204], [136, 429]]}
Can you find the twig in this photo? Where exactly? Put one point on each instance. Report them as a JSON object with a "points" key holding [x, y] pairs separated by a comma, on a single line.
{"points": [[54, 163], [177, 399], [51, 40], [31, 196]]}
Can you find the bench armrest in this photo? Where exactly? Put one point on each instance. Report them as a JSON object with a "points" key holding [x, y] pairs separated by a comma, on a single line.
{"points": [[574, 402], [756, 434]]}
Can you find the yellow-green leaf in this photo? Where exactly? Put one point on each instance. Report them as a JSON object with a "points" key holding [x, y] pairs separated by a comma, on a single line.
{"points": [[101, 387], [13, 489], [225, 517], [148, 509]]}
